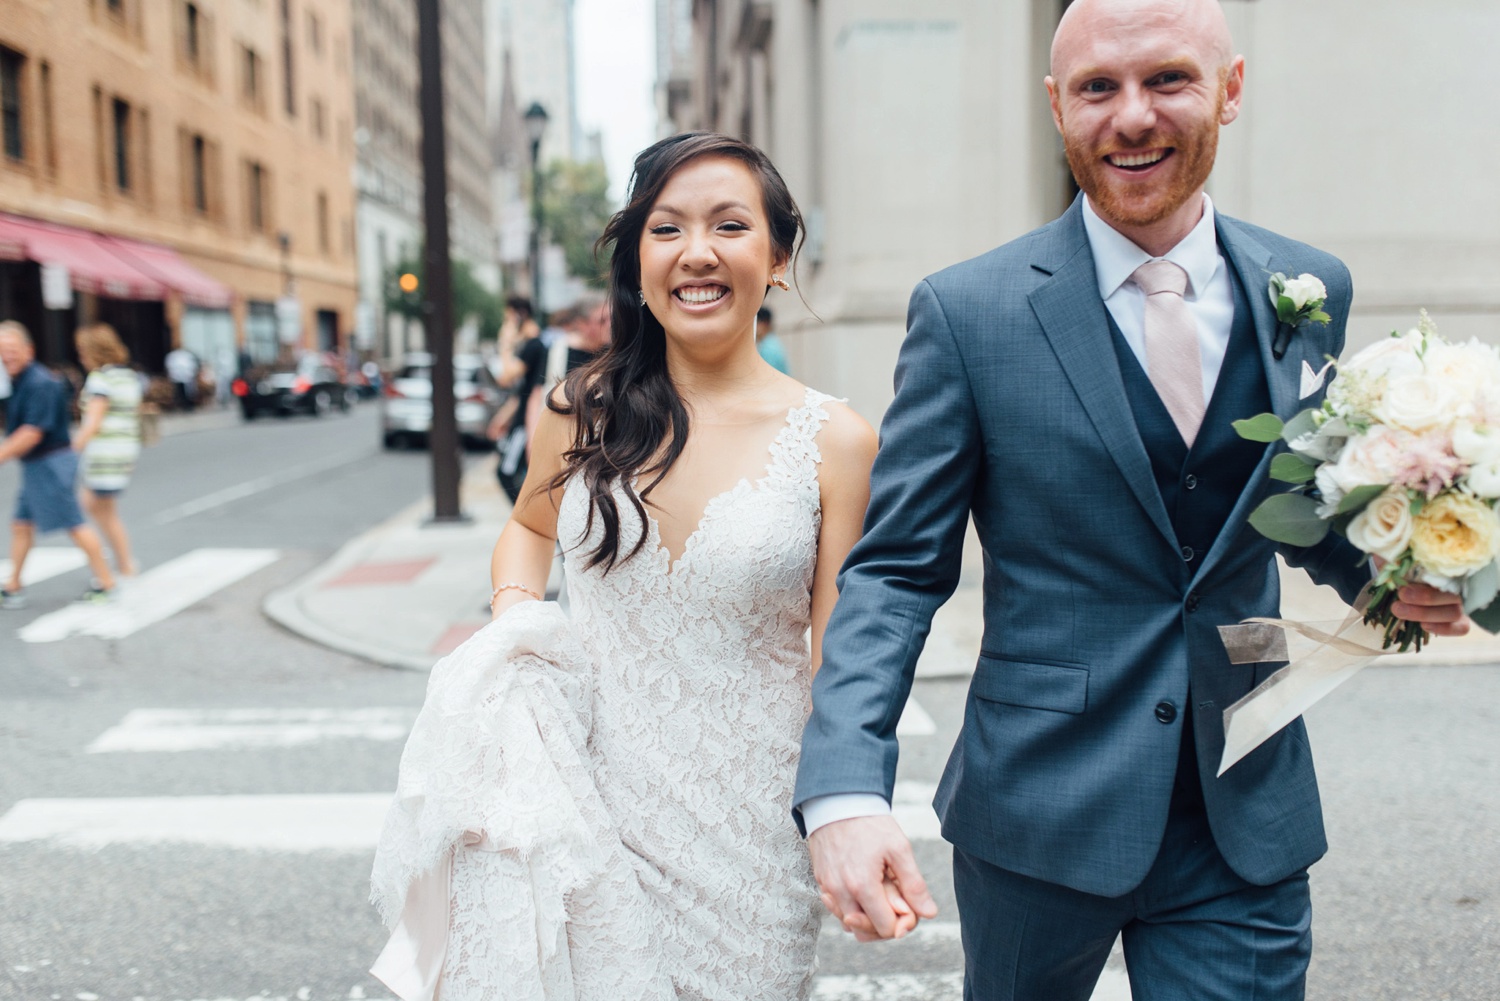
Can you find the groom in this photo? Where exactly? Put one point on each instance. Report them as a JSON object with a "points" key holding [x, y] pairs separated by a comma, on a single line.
{"points": [[1074, 391]]}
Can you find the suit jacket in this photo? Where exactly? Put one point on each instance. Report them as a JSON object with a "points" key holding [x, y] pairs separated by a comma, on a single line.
{"points": [[1010, 406]]}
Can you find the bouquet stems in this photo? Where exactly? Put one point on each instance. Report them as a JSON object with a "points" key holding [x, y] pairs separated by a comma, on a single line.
{"points": [[1399, 633]]}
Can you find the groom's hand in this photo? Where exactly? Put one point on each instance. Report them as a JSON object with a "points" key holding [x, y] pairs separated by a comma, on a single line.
{"points": [[1439, 612], [867, 873]]}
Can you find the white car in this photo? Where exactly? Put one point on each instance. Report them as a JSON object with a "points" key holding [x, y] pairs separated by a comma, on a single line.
{"points": [[406, 404]]}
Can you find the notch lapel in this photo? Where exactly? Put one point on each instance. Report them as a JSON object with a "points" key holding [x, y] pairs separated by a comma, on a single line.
{"points": [[1252, 263], [1072, 316]]}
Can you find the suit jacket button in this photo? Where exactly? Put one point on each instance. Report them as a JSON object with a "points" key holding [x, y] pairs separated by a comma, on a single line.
{"points": [[1166, 712], [1188, 554]]}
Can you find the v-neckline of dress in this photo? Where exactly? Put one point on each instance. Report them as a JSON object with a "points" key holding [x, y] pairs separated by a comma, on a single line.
{"points": [[672, 568]]}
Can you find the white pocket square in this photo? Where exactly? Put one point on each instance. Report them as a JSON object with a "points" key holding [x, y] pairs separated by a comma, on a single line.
{"points": [[1313, 381]]}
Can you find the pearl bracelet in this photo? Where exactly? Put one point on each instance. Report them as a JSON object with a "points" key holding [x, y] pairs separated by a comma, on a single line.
{"points": [[512, 587]]}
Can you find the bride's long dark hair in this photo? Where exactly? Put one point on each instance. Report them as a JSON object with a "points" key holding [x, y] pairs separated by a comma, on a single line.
{"points": [[624, 404]]}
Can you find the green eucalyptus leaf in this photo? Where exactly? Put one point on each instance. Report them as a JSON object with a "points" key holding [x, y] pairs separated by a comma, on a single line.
{"points": [[1262, 427], [1303, 424], [1290, 518], [1318, 316], [1481, 588], [1357, 499], [1290, 468], [1487, 618]]}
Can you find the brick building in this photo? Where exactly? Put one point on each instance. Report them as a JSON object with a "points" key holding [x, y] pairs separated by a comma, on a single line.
{"points": [[178, 168]]}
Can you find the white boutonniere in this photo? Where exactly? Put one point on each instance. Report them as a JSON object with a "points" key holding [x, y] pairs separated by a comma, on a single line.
{"points": [[1298, 301]]}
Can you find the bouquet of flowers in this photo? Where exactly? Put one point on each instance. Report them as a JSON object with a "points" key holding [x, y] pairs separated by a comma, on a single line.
{"points": [[1403, 459]]}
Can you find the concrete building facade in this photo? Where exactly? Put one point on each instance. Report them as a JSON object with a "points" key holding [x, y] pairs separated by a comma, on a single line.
{"points": [[388, 135], [177, 168], [917, 134]]}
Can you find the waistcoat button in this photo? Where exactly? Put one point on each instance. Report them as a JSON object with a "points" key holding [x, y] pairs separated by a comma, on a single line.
{"points": [[1166, 712], [1188, 554], [1190, 481]]}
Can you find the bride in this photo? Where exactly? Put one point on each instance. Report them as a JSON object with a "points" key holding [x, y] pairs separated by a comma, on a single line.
{"points": [[704, 503]]}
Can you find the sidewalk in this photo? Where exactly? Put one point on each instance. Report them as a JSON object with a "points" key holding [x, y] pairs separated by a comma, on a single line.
{"points": [[406, 593]]}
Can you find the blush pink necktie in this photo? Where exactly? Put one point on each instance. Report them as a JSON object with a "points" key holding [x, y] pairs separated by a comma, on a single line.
{"points": [[1173, 361]]}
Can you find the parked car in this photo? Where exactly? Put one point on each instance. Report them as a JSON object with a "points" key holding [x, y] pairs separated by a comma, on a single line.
{"points": [[406, 404], [312, 386]]}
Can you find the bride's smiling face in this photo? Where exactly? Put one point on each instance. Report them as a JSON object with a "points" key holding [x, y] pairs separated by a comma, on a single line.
{"points": [[707, 256]]}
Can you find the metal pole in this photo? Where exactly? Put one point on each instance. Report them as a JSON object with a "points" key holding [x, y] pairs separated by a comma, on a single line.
{"points": [[536, 232], [438, 304]]}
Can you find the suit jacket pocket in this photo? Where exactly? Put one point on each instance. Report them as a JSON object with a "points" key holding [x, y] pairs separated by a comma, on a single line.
{"points": [[1057, 687]]}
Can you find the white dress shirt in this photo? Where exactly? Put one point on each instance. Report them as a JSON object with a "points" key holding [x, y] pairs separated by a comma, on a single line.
{"points": [[1210, 299]]}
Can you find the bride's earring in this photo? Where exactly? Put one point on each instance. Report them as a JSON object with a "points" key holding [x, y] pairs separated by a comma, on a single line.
{"points": [[642, 294], [780, 283]]}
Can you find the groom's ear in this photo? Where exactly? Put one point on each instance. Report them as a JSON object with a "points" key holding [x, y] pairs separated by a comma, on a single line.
{"points": [[1234, 90], [1052, 99]]}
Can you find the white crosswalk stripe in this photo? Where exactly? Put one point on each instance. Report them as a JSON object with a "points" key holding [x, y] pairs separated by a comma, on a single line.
{"points": [[218, 729], [45, 562], [915, 722], [157, 594]]}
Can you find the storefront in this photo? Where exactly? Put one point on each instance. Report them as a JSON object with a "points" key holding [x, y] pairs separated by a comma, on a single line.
{"points": [[54, 278]]}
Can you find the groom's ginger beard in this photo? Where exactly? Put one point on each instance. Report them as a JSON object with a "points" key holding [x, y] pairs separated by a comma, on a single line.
{"points": [[1134, 205]]}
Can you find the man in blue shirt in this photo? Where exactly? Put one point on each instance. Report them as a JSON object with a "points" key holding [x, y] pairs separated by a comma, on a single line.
{"points": [[37, 434], [770, 346]]}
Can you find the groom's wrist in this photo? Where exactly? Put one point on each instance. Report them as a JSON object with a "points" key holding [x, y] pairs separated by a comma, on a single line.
{"points": [[820, 811]]}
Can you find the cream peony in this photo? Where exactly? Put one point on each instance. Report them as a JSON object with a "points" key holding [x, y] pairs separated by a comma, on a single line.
{"points": [[1455, 535], [1384, 527], [1303, 290], [1421, 403], [1471, 369], [1376, 457]]}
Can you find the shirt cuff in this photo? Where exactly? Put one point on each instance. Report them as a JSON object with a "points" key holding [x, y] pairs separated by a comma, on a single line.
{"points": [[820, 811]]}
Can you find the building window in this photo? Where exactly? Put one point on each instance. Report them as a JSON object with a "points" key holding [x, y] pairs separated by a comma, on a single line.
{"points": [[257, 183], [121, 111], [289, 89], [319, 122], [252, 86], [324, 244], [314, 33], [192, 34], [12, 124], [49, 134], [199, 167]]}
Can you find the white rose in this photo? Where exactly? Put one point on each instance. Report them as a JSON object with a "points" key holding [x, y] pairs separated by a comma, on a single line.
{"points": [[1421, 403], [1383, 528], [1484, 479], [1476, 444], [1304, 289], [1388, 358]]}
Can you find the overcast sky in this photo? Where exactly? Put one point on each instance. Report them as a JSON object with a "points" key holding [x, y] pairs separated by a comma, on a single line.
{"points": [[616, 42]]}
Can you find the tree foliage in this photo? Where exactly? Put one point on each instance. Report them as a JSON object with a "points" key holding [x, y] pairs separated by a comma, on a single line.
{"points": [[470, 297], [575, 207]]}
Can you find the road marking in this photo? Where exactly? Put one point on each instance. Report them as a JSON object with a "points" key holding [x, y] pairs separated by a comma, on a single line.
{"points": [[251, 487], [155, 730], [1113, 986], [157, 594], [294, 823], [914, 721], [45, 562]]}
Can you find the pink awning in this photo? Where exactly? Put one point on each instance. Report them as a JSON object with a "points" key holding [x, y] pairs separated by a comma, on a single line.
{"points": [[195, 287], [92, 265]]}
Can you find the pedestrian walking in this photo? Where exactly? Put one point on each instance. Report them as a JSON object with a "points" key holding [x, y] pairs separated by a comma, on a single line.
{"points": [[768, 344], [182, 369], [109, 438], [37, 435]]}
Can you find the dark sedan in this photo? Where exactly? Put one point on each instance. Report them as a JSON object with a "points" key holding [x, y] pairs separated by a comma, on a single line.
{"points": [[312, 387]]}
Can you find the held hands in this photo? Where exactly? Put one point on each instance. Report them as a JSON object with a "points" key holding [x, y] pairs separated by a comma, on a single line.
{"points": [[869, 878]]}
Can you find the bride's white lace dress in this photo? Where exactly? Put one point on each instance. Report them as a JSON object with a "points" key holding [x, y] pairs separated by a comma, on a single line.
{"points": [[625, 832]]}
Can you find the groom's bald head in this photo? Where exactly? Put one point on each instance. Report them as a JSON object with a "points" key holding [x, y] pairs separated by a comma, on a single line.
{"points": [[1085, 21]]}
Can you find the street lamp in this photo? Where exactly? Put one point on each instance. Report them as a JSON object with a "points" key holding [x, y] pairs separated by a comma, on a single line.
{"points": [[536, 125]]}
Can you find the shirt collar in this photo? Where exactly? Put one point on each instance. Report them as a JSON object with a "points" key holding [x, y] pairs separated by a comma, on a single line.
{"points": [[1116, 257]]}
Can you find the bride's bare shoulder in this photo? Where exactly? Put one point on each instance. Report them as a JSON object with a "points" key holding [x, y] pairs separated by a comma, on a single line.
{"points": [[846, 441]]}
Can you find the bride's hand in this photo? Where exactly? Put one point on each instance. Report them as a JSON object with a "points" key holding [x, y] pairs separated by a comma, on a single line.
{"points": [[869, 878]]}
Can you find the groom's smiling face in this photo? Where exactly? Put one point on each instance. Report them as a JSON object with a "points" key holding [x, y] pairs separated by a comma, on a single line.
{"points": [[1139, 91]]}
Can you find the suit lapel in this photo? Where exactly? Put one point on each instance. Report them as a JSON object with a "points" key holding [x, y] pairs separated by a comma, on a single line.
{"points": [[1251, 261], [1072, 315]]}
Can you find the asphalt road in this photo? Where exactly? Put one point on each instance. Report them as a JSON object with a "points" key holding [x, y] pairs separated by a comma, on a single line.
{"points": [[1407, 905]]}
